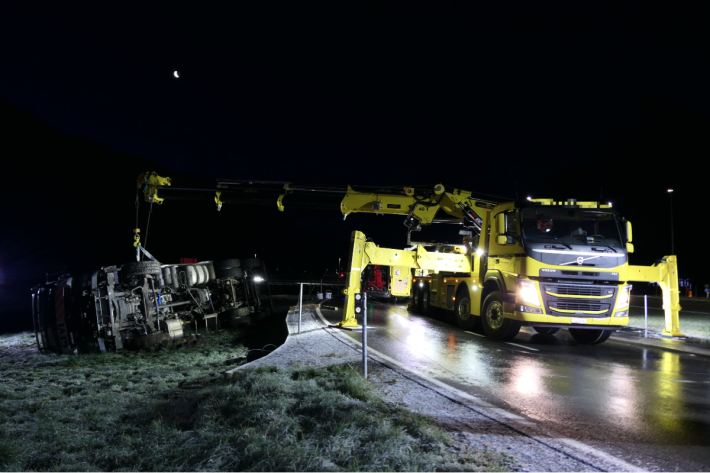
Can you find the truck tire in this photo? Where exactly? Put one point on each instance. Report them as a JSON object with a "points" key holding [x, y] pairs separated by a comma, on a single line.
{"points": [[227, 263], [494, 324], [462, 311], [590, 336], [418, 301], [251, 263], [546, 330], [140, 268], [236, 313], [229, 273], [427, 309]]}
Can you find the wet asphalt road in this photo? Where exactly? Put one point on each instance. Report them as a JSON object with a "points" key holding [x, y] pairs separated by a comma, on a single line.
{"points": [[648, 406]]}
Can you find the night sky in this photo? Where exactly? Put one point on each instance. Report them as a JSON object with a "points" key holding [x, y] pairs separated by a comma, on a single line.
{"points": [[562, 101]]}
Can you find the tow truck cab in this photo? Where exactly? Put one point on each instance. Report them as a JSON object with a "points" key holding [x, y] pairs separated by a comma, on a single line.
{"points": [[560, 263]]}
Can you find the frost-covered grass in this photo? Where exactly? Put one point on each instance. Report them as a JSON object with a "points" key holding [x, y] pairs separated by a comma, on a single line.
{"points": [[692, 325], [171, 410]]}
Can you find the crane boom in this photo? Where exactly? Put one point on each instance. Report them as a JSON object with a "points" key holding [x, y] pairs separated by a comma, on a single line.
{"points": [[420, 206]]}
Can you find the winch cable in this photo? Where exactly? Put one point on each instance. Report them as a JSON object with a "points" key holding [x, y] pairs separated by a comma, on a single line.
{"points": [[136, 230], [147, 224], [138, 200]]}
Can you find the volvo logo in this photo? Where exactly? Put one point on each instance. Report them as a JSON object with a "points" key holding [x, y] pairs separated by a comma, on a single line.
{"points": [[580, 260]]}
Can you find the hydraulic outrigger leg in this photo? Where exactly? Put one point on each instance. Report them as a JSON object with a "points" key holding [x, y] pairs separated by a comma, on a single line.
{"points": [[364, 253], [665, 273]]}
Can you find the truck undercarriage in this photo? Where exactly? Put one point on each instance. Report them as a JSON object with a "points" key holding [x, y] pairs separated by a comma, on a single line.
{"points": [[141, 303]]}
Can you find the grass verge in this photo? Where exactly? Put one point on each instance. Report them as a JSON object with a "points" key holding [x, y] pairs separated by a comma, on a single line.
{"points": [[692, 325], [170, 410]]}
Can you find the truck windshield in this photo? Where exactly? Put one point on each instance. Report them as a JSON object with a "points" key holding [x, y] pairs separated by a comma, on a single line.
{"points": [[570, 226]]}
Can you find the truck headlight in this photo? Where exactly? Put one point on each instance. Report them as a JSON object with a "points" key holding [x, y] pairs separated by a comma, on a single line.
{"points": [[527, 292], [624, 298]]}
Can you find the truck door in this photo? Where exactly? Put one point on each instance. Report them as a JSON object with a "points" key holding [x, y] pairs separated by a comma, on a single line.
{"points": [[504, 247]]}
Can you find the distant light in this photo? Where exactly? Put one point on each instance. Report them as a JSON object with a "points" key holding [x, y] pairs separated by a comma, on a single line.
{"points": [[609, 204], [258, 279], [176, 74], [529, 198], [670, 190]]}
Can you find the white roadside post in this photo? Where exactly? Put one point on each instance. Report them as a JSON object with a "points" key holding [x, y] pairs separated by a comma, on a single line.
{"points": [[300, 307], [364, 334], [645, 312]]}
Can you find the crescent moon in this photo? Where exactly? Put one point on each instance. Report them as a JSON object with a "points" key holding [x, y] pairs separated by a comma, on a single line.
{"points": [[176, 74]]}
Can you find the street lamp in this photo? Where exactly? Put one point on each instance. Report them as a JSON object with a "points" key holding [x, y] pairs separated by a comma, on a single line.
{"points": [[670, 194]]}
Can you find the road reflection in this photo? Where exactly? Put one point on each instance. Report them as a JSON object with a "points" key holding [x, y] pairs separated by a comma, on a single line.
{"points": [[627, 395]]}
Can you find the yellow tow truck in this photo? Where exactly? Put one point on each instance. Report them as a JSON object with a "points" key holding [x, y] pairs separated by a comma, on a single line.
{"points": [[536, 262]]}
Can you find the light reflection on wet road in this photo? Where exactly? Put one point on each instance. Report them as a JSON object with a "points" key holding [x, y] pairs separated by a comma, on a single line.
{"points": [[648, 406]]}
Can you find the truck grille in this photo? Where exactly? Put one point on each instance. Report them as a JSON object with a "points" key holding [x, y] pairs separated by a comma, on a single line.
{"points": [[571, 290], [579, 306], [578, 301]]}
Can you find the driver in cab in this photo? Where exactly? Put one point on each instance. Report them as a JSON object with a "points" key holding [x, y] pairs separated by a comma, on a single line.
{"points": [[577, 230]]}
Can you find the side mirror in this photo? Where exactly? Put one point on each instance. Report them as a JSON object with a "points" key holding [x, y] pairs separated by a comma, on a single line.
{"points": [[500, 222], [629, 238], [502, 239]]}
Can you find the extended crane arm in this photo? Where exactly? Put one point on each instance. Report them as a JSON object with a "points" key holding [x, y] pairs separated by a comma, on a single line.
{"points": [[419, 209], [419, 206]]}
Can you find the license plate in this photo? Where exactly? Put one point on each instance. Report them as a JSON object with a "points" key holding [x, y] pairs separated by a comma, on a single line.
{"points": [[577, 320]]}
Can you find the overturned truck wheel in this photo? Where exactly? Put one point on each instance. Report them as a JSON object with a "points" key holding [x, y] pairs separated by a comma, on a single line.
{"points": [[235, 317], [140, 268], [229, 273], [227, 263]]}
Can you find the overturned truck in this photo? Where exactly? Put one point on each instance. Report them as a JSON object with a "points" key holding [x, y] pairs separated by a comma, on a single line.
{"points": [[142, 303]]}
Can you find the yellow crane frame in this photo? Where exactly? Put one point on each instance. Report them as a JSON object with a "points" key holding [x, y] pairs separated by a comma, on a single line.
{"points": [[363, 253], [421, 210]]}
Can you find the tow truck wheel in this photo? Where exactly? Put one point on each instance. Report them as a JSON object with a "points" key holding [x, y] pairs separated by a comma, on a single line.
{"points": [[462, 310], [590, 337], [427, 309], [419, 301], [546, 330], [494, 324]]}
